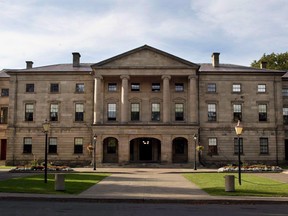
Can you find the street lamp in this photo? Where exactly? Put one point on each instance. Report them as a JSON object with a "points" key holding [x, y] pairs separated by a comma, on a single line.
{"points": [[94, 151], [195, 139], [46, 128], [238, 130]]}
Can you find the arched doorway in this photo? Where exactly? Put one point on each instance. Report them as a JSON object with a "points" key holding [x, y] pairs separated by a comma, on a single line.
{"points": [[180, 150], [145, 149], [110, 150]]}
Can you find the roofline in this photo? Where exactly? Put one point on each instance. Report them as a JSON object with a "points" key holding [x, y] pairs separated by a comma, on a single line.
{"points": [[101, 63]]}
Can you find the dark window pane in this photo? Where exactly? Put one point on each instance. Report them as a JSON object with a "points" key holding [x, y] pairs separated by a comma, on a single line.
{"points": [[30, 87], [54, 87]]}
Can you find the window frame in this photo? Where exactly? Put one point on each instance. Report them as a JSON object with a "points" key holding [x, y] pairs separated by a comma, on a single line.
{"points": [[29, 112], [27, 146], [78, 145], [179, 87], [285, 92], [4, 115], [264, 145], [52, 146], [262, 113], [135, 87], [236, 145], [52, 111], [179, 111], [236, 88], [212, 112], [211, 87], [5, 92], [79, 87], [212, 146], [261, 88], [54, 88], [156, 87], [135, 112], [155, 111], [237, 115], [79, 115], [112, 87], [111, 111], [30, 88], [285, 117]]}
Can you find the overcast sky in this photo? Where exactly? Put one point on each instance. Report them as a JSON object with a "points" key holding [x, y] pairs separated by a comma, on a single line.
{"points": [[48, 31]]}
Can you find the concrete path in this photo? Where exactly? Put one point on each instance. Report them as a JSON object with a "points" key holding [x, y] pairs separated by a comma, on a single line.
{"points": [[145, 184]]}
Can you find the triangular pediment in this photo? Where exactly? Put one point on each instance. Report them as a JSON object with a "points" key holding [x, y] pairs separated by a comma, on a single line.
{"points": [[145, 56]]}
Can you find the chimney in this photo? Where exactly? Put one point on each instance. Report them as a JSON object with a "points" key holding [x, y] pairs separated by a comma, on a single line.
{"points": [[215, 59], [263, 65], [29, 64], [76, 59]]}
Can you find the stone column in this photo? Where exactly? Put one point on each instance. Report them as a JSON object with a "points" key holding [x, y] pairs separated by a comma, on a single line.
{"points": [[166, 98], [193, 99], [124, 99], [97, 99]]}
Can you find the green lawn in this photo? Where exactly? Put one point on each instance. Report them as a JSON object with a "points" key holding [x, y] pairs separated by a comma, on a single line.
{"points": [[252, 185], [75, 183]]}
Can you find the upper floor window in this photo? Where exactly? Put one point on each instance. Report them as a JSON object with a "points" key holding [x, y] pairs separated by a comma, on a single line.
{"points": [[135, 112], [4, 92], [236, 88], [285, 92], [155, 87], [155, 112], [261, 88], [135, 87], [78, 145], [236, 145], [111, 112], [27, 145], [211, 87], [212, 116], [237, 112], [54, 109], [3, 115], [262, 112], [79, 112], [179, 112], [285, 115], [212, 146], [54, 87], [112, 87], [179, 87], [79, 87], [29, 112], [264, 148], [52, 148], [30, 87]]}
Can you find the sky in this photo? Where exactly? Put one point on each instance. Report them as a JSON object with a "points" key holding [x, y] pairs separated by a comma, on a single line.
{"points": [[48, 31]]}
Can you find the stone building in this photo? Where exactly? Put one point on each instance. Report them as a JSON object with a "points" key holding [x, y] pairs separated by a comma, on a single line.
{"points": [[146, 106]]}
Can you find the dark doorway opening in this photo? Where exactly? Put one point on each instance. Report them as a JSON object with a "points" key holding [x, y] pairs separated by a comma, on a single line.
{"points": [[3, 143], [145, 151], [286, 149]]}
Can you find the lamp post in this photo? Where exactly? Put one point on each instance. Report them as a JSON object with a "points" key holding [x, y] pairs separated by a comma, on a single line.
{"points": [[94, 151], [195, 139], [238, 130], [46, 128]]}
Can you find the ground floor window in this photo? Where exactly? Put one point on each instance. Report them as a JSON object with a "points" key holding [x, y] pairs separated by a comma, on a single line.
{"points": [[236, 145], [212, 146], [52, 148], [78, 145], [27, 145], [264, 146]]}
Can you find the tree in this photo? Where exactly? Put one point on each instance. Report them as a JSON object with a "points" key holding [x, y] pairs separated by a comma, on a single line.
{"points": [[274, 61]]}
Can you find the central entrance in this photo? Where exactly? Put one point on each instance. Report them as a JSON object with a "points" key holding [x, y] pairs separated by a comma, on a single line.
{"points": [[145, 149]]}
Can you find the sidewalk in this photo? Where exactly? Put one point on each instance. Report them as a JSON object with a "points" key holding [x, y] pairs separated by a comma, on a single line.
{"points": [[148, 185]]}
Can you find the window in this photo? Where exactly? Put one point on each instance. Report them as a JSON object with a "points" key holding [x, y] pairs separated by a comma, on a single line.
{"points": [[285, 115], [211, 87], [236, 88], [3, 115], [78, 145], [261, 88], [54, 112], [79, 87], [262, 112], [264, 149], [112, 112], [237, 112], [27, 145], [29, 111], [236, 145], [135, 87], [79, 112], [135, 112], [4, 92], [30, 87], [155, 112], [52, 148], [179, 112], [285, 92], [112, 87], [155, 87], [212, 116], [179, 87], [212, 146], [112, 146], [54, 87]]}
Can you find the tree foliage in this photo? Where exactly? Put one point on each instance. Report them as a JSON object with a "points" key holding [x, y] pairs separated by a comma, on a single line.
{"points": [[274, 61]]}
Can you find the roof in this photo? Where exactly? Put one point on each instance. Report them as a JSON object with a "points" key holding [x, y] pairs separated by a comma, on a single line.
{"points": [[235, 68], [3, 74]]}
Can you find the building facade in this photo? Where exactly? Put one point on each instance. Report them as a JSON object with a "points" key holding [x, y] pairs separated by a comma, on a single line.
{"points": [[145, 106]]}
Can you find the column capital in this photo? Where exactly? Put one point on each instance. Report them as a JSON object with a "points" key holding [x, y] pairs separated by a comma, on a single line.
{"points": [[97, 76], [192, 77], [166, 77], [125, 76]]}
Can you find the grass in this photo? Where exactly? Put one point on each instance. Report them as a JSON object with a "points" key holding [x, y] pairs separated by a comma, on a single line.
{"points": [[7, 167], [252, 185], [75, 183]]}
